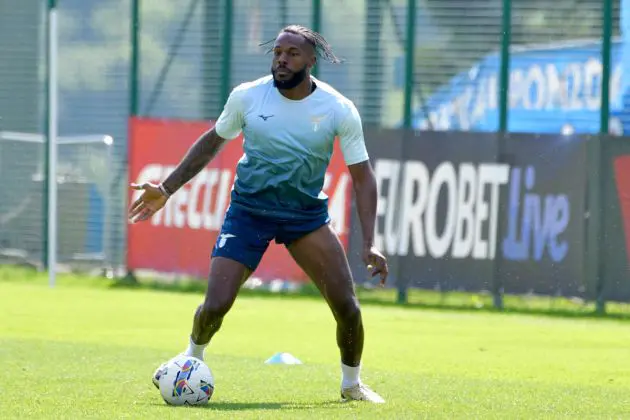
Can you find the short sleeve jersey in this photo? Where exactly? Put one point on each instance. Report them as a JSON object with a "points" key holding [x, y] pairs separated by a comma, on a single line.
{"points": [[287, 146]]}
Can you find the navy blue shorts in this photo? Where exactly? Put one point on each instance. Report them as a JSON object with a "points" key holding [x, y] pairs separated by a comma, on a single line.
{"points": [[244, 236]]}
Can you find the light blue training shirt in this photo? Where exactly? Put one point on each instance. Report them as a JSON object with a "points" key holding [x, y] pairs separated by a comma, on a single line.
{"points": [[287, 146]]}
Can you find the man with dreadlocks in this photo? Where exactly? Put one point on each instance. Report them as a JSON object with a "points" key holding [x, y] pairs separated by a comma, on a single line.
{"points": [[289, 121]]}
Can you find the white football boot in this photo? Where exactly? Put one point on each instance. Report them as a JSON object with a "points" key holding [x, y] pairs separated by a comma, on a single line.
{"points": [[360, 392]]}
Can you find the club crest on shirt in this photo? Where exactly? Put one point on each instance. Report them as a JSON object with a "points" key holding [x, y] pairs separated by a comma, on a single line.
{"points": [[316, 120]]}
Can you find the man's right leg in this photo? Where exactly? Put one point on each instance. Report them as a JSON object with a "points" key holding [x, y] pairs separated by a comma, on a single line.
{"points": [[226, 278], [239, 248]]}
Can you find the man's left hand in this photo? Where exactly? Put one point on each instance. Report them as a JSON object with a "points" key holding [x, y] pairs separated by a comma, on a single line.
{"points": [[376, 262]]}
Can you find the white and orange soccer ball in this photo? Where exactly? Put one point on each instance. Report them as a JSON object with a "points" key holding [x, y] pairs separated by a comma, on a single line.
{"points": [[186, 380]]}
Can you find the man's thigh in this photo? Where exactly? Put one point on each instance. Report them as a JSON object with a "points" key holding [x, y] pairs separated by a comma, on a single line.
{"points": [[322, 257], [243, 238], [291, 231]]}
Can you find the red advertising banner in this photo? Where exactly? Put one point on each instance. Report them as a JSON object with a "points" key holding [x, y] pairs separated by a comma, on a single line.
{"points": [[622, 178], [179, 238]]}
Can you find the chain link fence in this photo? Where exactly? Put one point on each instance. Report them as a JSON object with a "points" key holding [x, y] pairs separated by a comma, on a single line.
{"points": [[190, 53]]}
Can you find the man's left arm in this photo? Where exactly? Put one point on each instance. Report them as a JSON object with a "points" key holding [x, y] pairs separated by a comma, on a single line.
{"points": [[355, 154], [364, 186]]}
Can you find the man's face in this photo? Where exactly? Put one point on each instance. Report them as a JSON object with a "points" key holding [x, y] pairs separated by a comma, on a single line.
{"points": [[293, 58]]}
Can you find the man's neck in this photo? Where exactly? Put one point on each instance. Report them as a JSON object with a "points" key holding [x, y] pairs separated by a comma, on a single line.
{"points": [[299, 92]]}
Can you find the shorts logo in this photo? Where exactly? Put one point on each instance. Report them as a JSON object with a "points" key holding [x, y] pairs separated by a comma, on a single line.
{"points": [[223, 239]]}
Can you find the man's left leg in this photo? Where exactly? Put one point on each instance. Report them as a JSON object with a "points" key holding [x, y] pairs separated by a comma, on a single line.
{"points": [[322, 257]]}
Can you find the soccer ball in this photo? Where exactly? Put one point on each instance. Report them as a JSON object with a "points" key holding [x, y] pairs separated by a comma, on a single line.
{"points": [[186, 381]]}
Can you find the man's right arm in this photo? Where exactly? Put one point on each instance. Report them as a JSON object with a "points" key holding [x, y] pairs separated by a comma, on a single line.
{"points": [[227, 127], [198, 156]]}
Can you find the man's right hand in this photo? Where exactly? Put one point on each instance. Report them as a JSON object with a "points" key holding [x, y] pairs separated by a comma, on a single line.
{"points": [[149, 203]]}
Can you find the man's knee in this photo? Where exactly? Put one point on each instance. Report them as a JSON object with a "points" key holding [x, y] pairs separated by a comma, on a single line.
{"points": [[214, 308], [347, 311]]}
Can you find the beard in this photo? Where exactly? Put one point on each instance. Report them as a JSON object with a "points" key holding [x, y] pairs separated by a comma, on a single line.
{"points": [[297, 78]]}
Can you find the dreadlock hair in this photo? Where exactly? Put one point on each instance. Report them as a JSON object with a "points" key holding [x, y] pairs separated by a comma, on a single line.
{"points": [[317, 41]]}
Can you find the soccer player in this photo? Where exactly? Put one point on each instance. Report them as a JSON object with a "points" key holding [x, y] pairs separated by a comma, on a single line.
{"points": [[289, 122]]}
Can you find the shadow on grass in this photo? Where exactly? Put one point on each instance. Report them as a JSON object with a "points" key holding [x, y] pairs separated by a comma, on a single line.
{"points": [[239, 406], [244, 406], [435, 302]]}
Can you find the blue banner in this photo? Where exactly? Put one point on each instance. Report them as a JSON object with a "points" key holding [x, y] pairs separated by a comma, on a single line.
{"points": [[554, 88]]}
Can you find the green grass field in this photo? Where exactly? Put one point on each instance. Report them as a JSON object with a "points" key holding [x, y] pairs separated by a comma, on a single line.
{"points": [[86, 350]]}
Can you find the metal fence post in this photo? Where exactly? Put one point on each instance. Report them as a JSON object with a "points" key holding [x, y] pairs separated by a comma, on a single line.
{"points": [[606, 47], [50, 200], [408, 97], [505, 66], [134, 83], [226, 50], [409, 62], [316, 26], [497, 285], [604, 118]]}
